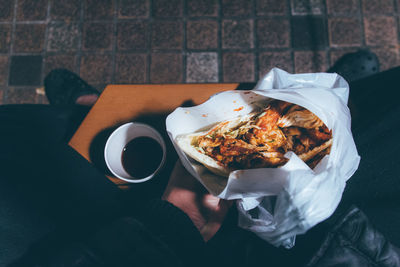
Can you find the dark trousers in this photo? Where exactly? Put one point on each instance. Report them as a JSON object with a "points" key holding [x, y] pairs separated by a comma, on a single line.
{"points": [[46, 186], [47, 190]]}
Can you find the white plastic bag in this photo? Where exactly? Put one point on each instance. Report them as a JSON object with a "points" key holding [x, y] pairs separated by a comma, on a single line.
{"points": [[279, 203]]}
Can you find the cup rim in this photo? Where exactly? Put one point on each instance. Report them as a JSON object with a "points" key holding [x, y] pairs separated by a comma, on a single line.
{"points": [[159, 141]]}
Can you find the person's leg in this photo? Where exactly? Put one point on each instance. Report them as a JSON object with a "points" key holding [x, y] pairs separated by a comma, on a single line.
{"points": [[55, 123], [44, 184], [375, 186], [374, 97], [34, 144]]}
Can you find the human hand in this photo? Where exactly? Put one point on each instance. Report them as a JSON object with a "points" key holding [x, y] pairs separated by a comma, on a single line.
{"points": [[206, 211]]}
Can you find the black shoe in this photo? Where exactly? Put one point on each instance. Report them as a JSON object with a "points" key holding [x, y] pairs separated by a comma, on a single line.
{"points": [[357, 65], [64, 87]]}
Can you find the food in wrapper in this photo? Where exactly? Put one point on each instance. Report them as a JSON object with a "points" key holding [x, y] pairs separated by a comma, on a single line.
{"points": [[275, 203], [260, 139]]}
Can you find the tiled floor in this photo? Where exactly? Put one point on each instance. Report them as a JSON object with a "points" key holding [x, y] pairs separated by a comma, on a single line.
{"points": [[177, 41]]}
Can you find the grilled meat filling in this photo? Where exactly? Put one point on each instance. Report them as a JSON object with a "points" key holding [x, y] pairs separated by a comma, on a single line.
{"points": [[263, 140]]}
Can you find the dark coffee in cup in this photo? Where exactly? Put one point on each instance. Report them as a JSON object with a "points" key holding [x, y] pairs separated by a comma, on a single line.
{"points": [[135, 152], [141, 157]]}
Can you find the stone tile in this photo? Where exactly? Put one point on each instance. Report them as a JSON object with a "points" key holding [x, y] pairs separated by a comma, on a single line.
{"points": [[32, 10], [343, 6], [167, 8], [167, 35], [202, 8], [5, 37], [202, 68], [345, 32], [308, 32], [307, 7], [273, 33], [237, 34], [131, 68], [134, 8], [166, 68], [21, 96], [25, 71], [29, 37], [238, 67], [310, 61], [6, 10], [65, 9], [3, 70], [64, 61], [271, 7], [236, 8], [97, 36], [98, 9], [388, 57], [96, 69], [132, 35], [380, 31], [62, 36], [269, 60], [202, 34], [376, 7]]}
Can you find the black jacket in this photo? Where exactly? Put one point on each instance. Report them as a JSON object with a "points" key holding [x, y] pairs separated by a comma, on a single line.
{"points": [[355, 242]]}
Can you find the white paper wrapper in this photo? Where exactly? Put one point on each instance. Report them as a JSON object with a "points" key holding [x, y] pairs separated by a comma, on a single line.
{"points": [[288, 200]]}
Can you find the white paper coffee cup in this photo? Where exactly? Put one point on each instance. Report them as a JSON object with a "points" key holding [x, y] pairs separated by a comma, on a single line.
{"points": [[119, 139]]}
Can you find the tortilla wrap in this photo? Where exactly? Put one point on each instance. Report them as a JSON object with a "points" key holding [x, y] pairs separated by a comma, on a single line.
{"points": [[299, 119]]}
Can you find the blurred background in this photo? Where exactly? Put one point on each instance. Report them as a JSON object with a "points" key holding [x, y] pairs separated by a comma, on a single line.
{"points": [[184, 41]]}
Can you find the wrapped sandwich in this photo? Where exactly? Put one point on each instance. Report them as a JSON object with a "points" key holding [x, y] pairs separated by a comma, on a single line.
{"points": [[260, 139], [283, 150]]}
